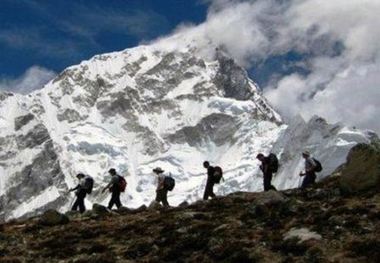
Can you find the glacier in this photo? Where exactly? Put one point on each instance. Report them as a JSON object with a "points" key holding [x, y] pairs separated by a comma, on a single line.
{"points": [[145, 107]]}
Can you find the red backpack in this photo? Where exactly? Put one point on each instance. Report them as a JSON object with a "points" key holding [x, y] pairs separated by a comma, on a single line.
{"points": [[122, 184]]}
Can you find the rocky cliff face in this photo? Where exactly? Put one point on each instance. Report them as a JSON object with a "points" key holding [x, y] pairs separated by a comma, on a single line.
{"points": [[146, 107]]}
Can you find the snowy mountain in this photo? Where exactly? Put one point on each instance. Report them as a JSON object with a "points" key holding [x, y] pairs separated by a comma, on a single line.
{"points": [[146, 107]]}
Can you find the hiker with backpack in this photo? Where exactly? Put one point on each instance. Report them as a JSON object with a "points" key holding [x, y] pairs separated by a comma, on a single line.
{"points": [[83, 188], [311, 167], [115, 186], [162, 186], [269, 165], [209, 190]]}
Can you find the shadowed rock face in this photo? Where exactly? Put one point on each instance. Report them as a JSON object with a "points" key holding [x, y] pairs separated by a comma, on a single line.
{"points": [[23, 120], [36, 136], [316, 225], [362, 170], [33, 179], [218, 128], [232, 79]]}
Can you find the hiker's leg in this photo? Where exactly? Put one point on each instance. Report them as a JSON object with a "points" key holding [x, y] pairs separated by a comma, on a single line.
{"points": [[117, 201], [75, 205], [212, 191], [157, 196], [207, 191], [165, 198], [307, 181], [82, 208], [112, 201], [267, 181]]}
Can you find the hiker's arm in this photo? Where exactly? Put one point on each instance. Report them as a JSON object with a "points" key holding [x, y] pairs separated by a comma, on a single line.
{"points": [[73, 189], [107, 187]]}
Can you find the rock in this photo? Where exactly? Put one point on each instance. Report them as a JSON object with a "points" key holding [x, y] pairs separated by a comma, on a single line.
{"points": [[362, 170], [303, 234], [22, 121], [154, 205], [52, 218], [123, 210], [100, 210], [73, 214], [269, 198], [140, 209], [183, 204]]}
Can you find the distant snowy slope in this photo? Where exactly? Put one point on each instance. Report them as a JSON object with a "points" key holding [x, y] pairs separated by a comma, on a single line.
{"points": [[329, 143]]}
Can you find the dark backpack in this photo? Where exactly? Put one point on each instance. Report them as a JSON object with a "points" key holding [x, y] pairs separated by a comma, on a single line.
{"points": [[273, 163], [88, 184], [218, 174], [318, 166], [169, 183], [122, 184]]}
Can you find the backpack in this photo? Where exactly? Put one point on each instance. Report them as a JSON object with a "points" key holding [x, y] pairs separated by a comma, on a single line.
{"points": [[169, 183], [273, 163], [122, 184], [218, 174], [88, 184], [318, 166]]}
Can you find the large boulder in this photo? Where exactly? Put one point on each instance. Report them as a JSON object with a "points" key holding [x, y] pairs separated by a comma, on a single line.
{"points": [[362, 170], [52, 218]]}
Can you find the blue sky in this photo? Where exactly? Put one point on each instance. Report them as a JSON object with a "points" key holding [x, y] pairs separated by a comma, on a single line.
{"points": [[309, 56], [59, 33]]}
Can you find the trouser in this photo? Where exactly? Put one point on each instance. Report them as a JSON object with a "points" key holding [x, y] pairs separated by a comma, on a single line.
{"points": [[267, 182], [79, 202], [308, 180], [209, 191], [162, 196], [115, 200]]}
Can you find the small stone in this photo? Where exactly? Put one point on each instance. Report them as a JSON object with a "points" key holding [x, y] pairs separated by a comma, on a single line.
{"points": [[303, 234]]}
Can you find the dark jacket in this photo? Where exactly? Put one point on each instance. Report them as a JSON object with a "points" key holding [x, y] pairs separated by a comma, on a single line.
{"points": [[210, 174]]}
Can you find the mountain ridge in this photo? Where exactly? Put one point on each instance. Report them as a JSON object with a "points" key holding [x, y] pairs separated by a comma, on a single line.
{"points": [[135, 110]]}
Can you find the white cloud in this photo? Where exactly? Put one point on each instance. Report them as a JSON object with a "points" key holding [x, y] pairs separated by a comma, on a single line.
{"points": [[34, 78], [339, 39]]}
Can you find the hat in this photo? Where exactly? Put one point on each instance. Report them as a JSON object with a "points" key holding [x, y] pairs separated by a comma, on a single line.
{"points": [[158, 170], [307, 153], [112, 171], [80, 175]]}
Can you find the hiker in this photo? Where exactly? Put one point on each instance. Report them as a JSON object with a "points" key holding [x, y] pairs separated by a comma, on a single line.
{"points": [[209, 190], [161, 191], [310, 167], [80, 192], [268, 166], [116, 187]]}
